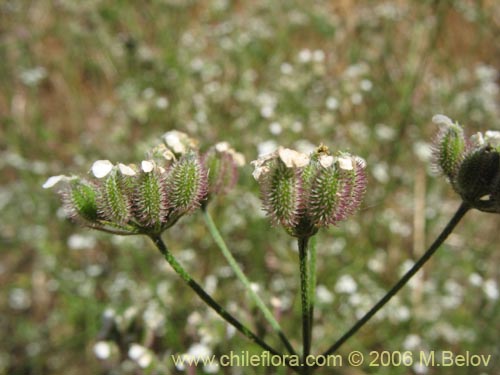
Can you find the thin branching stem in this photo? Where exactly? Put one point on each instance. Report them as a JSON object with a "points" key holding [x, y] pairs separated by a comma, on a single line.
{"points": [[459, 214], [244, 280], [210, 301]]}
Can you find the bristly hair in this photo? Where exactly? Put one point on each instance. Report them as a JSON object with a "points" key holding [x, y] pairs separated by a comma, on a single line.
{"points": [[447, 157], [149, 198], [187, 184], [80, 202], [280, 193]]}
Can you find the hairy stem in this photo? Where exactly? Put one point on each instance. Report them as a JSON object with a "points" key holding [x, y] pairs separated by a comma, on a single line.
{"points": [[459, 214], [207, 298], [305, 288], [246, 283], [312, 281]]}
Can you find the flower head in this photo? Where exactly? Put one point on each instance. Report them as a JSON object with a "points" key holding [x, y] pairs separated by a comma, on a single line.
{"points": [[471, 165], [131, 199], [305, 192]]}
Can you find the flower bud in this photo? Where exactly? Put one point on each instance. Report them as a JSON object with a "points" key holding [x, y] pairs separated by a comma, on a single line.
{"points": [[472, 167]]}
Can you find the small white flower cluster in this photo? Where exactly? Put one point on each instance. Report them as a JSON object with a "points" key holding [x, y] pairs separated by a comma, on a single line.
{"points": [[295, 159]]}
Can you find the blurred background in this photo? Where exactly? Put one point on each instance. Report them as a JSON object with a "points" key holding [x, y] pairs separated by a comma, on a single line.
{"points": [[81, 81]]}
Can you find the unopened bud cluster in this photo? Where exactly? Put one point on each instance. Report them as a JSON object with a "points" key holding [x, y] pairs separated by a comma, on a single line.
{"points": [[305, 192], [471, 165], [149, 197]]}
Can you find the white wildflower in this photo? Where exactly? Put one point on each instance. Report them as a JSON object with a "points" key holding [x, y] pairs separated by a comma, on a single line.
{"points": [[102, 350], [141, 355]]}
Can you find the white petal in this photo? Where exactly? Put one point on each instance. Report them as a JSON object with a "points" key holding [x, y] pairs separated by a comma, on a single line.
{"points": [[259, 171], [222, 146], [292, 158], [492, 134], [477, 139], [442, 120], [101, 168], [126, 170], [326, 160], [53, 181], [147, 166], [492, 137], [168, 155], [345, 163], [178, 141]]}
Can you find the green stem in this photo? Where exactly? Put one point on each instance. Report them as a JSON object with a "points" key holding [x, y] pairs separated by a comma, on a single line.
{"points": [[312, 281], [246, 283], [305, 299], [462, 210], [206, 297]]}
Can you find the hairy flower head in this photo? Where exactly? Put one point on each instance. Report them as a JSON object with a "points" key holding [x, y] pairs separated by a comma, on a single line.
{"points": [[305, 192], [132, 199]]}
